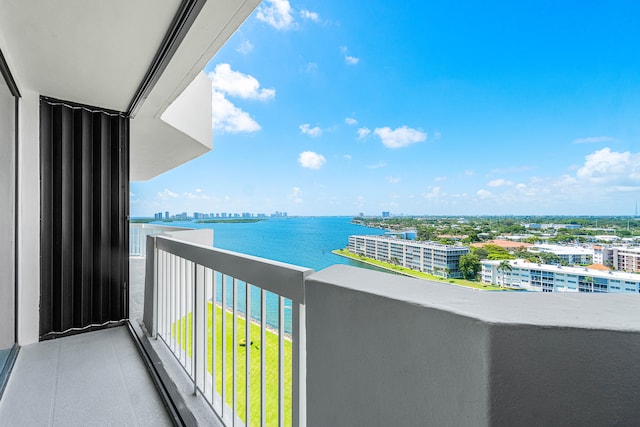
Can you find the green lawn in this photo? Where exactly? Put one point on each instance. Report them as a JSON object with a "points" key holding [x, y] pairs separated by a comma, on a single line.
{"points": [[414, 273], [271, 355]]}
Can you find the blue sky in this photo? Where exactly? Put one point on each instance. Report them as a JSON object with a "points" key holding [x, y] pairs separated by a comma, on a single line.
{"points": [[424, 108]]}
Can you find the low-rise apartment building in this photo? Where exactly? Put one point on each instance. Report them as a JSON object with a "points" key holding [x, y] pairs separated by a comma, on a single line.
{"points": [[551, 278], [428, 257], [626, 259], [570, 254], [618, 257]]}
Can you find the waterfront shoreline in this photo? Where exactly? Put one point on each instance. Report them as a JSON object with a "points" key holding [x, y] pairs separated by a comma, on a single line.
{"points": [[478, 286]]}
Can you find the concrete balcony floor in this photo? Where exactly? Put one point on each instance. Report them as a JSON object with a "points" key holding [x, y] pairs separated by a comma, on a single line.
{"points": [[95, 378]]}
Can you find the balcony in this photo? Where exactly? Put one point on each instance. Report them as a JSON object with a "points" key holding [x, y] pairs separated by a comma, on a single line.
{"points": [[347, 346]]}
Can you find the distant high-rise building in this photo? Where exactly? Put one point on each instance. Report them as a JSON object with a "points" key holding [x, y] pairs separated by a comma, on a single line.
{"points": [[385, 214], [361, 215], [166, 215]]}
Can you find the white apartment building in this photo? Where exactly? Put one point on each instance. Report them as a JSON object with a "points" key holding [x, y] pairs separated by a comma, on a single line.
{"points": [[570, 254], [626, 259], [618, 257], [428, 257], [602, 255], [551, 278]]}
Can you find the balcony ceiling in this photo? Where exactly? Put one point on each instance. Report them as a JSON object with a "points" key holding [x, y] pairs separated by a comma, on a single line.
{"points": [[91, 52], [98, 52]]}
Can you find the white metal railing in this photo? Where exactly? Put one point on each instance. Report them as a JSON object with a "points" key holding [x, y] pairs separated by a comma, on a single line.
{"points": [[202, 296], [138, 233]]}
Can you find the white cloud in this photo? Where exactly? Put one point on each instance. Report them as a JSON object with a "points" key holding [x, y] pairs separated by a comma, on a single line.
{"points": [[500, 182], [400, 137], [350, 121], [167, 194], [440, 178], [484, 194], [308, 130], [237, 84], [347, 156], [132, 194], [606, 166], [245, 47], [363, 133], [351, 60], [468, 172], [436, 135], [311, 160], [593, 139], [435, 193], [312, 16], [348, 59], [226, 117], [377, 165], [393, 179], [276, 13]]}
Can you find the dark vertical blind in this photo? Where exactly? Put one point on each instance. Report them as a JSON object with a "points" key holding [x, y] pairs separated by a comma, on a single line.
{"points": [[84, 171]]}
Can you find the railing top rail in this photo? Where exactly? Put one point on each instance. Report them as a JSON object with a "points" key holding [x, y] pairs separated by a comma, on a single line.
{"points": [[281, 278], [160, 227]]}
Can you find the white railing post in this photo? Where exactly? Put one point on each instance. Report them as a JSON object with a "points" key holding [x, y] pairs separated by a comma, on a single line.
{"points": [[299, 366], [199, 354], [150, 309]]}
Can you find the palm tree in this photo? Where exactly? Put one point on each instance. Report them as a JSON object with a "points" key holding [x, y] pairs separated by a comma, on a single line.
{"points": [[504, 266]]}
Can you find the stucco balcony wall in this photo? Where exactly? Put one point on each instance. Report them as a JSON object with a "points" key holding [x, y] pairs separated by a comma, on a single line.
{"points": [[390, 350]]}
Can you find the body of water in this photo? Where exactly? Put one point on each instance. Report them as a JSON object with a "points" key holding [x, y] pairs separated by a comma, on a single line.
{"points": [[303, 241]]}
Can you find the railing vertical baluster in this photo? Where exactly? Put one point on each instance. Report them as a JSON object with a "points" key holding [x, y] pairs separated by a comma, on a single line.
{"points": [[159, 297], [214, 337], [163, 302], [205, 330], [195, 313], [179, 306], [247, 351], [167, 331], [224, 343], [280, 361], [263, 357], [235, 351], [156, 291], [298, 365], [174, 306]]}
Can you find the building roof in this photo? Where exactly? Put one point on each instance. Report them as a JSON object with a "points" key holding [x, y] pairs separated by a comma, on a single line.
{"points": [[598, 267], [507, 244], [564, 250]]}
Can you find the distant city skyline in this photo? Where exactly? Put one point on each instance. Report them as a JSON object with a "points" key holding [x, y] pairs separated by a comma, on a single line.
{"points": [[331, 108]]}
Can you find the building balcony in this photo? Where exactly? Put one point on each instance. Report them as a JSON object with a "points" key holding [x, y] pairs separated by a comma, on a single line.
{"points": [[345, 346]]}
